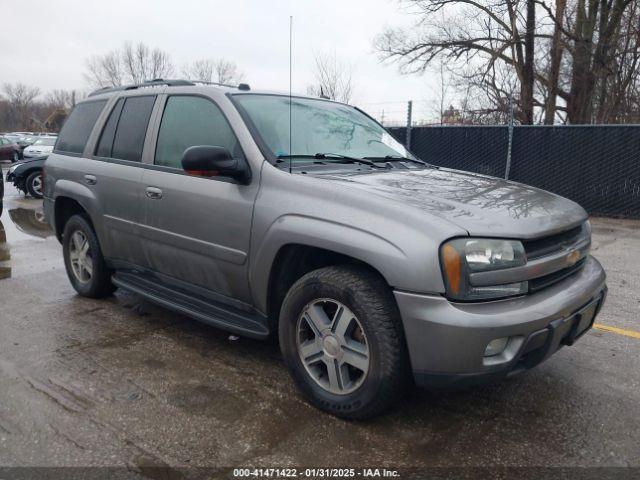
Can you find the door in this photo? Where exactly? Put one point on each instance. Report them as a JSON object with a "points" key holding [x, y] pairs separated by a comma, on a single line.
{"points": [[196, 230], [115, 176]]}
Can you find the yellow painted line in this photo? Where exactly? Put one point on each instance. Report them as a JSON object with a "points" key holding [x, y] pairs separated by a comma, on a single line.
{"points": [[619, 331]]}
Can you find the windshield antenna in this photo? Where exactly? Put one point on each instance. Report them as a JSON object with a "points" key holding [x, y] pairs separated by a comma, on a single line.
{"points": [[290, 84]]}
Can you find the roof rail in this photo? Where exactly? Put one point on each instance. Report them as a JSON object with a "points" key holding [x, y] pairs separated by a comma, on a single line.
{"points": [[146, 83], [240, 86], [169, 83]]}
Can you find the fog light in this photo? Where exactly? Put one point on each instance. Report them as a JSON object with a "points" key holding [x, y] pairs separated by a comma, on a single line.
{"points": [[496, 347]]}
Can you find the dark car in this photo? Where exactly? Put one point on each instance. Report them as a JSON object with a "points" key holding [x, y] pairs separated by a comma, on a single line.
{"points": [[27, 176], [9, 150]]}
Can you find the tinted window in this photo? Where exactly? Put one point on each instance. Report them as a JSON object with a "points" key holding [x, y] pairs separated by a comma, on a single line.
{"points": [[189, 121], [108, 133], [77, 128], [132, 128]]}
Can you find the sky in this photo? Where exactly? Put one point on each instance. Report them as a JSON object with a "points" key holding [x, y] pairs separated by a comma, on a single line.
{"points": [[48, 43]]}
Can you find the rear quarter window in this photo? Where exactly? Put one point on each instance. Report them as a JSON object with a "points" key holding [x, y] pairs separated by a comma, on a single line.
{"points": [[76, 130], [125, 131], [132, 128]]}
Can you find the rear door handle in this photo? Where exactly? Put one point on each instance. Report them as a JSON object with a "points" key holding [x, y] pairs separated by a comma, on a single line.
{"points": [[90, 179], [153, 193]]}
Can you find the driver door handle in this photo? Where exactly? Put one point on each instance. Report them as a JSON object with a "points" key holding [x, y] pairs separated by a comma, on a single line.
{"points": [[90, 179], [153, 193]]}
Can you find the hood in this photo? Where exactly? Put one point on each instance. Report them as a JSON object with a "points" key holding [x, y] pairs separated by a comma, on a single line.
{"points": [[39, 148], [483, 206]]}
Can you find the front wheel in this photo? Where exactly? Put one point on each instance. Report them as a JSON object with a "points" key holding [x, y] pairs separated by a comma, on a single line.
{"points": [[83, 259], [343, 342], [34, 184]]}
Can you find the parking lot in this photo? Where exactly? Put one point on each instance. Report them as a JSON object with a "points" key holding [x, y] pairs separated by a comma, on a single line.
{"points": [[120, 382]]}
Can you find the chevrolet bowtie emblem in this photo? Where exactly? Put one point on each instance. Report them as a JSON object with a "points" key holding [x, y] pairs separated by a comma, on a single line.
{"points": [[573, 257]]}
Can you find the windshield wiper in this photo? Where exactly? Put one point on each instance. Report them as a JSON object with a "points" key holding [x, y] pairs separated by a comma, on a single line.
{"points": [[398, 158], [332, 156]]}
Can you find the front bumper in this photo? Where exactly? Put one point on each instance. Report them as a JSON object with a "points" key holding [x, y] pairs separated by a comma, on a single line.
{"points": [[447, 341]]}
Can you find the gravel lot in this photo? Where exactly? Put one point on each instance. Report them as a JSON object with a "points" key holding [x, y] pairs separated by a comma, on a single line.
{"points": [[119, 382]]}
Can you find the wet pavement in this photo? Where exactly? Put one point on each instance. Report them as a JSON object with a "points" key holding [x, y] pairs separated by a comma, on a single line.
{"points": [[120, 382]]}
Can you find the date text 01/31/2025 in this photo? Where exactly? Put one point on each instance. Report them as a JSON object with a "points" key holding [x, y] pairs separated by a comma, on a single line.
{"points": [[315, 473]]}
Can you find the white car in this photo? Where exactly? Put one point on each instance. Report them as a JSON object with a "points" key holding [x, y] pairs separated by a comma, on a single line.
{"points": [[42, 146]]}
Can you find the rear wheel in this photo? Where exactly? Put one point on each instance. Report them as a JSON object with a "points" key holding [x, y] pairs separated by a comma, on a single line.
{"points": [[83, 259], [342, 340], [34, 184], [15, 157]]}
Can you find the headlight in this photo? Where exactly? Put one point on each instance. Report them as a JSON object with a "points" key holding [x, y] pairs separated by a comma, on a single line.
{"points": [[463, 256], [13, 168]]}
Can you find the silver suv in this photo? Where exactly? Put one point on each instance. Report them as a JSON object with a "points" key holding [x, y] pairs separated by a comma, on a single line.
{"points": [[302, 218]]}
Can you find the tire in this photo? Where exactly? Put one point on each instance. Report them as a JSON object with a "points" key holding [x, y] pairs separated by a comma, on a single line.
{"points": [[375, 324], [95, 283], [34, 184], [15, 157]]}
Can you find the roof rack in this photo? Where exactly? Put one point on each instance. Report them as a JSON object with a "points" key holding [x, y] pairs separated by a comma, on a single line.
{"points": [[146, 83], [168, 83]]}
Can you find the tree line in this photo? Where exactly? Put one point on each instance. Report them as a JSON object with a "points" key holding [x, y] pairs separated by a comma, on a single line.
{"points": [[134, 64], [558, 61], [24, 108]]}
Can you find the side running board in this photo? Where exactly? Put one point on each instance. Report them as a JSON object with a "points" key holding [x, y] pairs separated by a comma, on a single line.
{"points": [[246, 324]]}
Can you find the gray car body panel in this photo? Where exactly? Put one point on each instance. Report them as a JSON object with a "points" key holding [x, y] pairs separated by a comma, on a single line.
{"points": [[224, 237], [450, 338]]}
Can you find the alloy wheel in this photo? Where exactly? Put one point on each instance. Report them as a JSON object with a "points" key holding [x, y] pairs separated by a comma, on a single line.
{"points": [[80, 257], [36, 184], [332, 346]]}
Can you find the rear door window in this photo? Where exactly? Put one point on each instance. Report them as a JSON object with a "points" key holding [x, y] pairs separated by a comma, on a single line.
{"points": [[124, 133], [105, 145], [78, 127], [188, 121]]}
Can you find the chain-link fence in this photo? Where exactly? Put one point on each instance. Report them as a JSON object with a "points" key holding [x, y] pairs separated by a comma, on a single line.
{"points": [[596, 166]]}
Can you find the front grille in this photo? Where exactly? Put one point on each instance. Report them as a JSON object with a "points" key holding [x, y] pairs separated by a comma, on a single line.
{"points": [[547, 245], [542, 282]]}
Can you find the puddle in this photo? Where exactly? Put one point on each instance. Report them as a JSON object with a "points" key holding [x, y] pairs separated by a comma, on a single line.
{"points": [[5, 254], [25, 236], [30, 222]]}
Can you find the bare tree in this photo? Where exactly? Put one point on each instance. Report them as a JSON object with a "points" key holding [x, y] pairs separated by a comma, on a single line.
{"points": [[213, 70], [443, 93], [565, 57], [332, 78], [132, 64], [104, 70], [20, 102]]}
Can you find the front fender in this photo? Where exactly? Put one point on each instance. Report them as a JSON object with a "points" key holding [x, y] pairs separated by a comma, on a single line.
{"points": [[377, 252]]}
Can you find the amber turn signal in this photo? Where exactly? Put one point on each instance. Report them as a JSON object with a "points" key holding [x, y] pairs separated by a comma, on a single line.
{"points": [[452, 268]]}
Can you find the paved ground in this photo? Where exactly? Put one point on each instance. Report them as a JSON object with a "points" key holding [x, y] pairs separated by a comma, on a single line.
{"points": [[120, 382]]}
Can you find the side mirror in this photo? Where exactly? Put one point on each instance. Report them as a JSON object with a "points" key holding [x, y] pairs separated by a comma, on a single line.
{"points": [[212, 161]]}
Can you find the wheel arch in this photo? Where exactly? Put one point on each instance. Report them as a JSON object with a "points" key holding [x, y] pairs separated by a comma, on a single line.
{"points": [[287, 254], [66, 205]]}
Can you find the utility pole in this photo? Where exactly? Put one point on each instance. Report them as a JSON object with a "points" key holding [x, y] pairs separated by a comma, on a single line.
{"points": [[407, 142]]}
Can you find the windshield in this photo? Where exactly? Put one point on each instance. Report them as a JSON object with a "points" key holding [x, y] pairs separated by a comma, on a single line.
{"points": [[47, 142], [317, 126]]}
